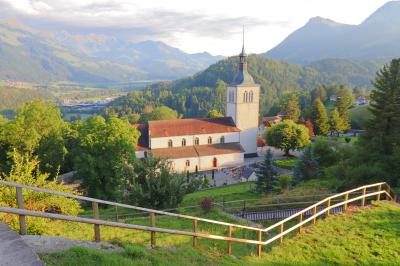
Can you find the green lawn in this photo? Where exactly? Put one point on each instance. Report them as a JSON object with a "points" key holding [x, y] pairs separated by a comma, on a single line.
{"points": [[286, 164], [361, 237]]}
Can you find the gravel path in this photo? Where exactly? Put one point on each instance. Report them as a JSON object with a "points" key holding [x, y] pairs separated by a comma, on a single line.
{"points": [[51, 244]]}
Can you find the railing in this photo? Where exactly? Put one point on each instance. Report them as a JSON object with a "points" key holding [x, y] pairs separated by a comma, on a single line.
{"points": [[379, 190]]}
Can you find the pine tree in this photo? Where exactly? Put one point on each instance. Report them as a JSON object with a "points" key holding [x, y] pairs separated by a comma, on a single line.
{"points": [[291, 108], [319, 118], [266, 174], [337, 124], [344, 102], [383, 129], [307, 167]]}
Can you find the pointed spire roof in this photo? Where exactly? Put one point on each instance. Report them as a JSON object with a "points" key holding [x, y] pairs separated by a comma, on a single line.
{"points": [[243, 77]]}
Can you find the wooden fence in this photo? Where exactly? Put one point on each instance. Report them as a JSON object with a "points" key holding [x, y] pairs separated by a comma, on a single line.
{"points": [[323, 207]]}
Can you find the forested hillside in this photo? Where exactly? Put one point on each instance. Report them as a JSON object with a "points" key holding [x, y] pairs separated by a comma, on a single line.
{"points": [[196, 95]]}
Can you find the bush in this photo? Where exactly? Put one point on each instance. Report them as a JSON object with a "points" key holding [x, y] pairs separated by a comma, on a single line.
{"points": [[193, 185], [325, 151], [206, 204], [284, 182], [307, 167], [26, 171], [347, 139]]}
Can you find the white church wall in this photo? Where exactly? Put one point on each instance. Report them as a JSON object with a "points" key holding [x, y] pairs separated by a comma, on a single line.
{"points": [[223, 160], [158, 143], [179, 165]]}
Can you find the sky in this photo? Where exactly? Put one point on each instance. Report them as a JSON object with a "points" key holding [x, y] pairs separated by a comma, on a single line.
{"points": [[214, 26]]}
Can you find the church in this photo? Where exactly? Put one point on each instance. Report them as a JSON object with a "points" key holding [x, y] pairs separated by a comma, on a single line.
{"points": [[200, 144]]}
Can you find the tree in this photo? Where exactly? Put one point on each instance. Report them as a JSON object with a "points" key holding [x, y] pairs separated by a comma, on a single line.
{"points": [[287, 136], [337, 124], [319, 118], [383, 129], [307, 167], [104, 153], [310, 127], [319, 92], [266, 174], [152, 184], [214, 114], [37, 129], [162, 113], [344, 101], [290, 107]]}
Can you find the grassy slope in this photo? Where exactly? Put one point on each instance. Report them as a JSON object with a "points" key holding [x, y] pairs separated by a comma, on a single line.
{"points": [[367, 237]]}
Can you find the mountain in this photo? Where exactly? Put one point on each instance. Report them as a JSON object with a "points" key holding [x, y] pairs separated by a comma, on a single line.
{"points": [[37, 56], [377, 37], [275, 77]]}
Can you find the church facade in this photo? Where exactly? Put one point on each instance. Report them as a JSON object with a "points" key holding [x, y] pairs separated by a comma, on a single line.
{"points": [[200, 144]]}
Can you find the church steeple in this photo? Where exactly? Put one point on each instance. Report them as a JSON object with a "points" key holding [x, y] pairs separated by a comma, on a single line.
{"points": [[243, 77]]}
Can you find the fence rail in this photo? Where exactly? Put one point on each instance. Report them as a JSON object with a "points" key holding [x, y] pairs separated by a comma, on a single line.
{"points": [[309, 214]]}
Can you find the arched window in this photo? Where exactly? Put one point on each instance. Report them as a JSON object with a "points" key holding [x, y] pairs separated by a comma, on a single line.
{"points": [[187, 163], [245, 97], [183, 142], [209, 141], [251, 96], [170, 143], [196, 141], [222, 140]]}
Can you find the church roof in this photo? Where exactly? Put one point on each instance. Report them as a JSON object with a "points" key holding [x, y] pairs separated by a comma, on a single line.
{"points": [[243, 77], [199, 150], [191, 126]]}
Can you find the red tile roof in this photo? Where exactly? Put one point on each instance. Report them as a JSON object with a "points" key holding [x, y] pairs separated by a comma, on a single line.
{"points": [[196, 151], [191, 126]]}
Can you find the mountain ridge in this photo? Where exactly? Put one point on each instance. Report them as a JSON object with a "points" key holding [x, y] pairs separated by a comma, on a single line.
{"points": [[377, 37]]}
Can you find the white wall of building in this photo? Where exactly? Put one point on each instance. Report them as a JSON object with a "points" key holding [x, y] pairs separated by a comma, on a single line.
{"points": [[158, 143], [205, 163], [245, 115]]}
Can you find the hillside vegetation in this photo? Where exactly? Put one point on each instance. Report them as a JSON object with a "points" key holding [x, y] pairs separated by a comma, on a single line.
{"points": [[359, 237]]}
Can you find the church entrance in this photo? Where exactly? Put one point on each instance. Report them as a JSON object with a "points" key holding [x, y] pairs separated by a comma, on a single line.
{"points": [[215, 162]]}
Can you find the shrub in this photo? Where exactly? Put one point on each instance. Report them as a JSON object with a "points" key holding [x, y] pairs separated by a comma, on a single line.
{"points": [[25, 170], [347, 139], [206, 204], [325, 151], [193, 185], [283, 182], [307, 167]]}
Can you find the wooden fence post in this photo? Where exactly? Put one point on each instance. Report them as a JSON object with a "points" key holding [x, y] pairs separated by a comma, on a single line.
{"points": [[281, 238], [301, 219], [229, 248], [363, 199], [116, 214], [329, 204], [20, 202], [194, 227], [96, 216], [314, 213], [259, 246], [346, 198], [378, 197], [152, 233]]}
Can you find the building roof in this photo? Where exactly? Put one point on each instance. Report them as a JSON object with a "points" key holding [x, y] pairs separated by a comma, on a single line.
{"points": [[143, 141], [196, 151], [191, 126]]}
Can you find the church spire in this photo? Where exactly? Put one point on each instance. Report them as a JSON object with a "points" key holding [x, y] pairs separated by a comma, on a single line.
{"points": [[243, 77]]}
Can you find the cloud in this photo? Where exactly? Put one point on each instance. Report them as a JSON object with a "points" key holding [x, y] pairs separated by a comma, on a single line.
{"points": [[125, 19]]}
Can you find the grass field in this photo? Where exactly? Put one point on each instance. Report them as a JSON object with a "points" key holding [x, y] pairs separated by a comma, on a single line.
{"points": [[286, 164], [359, 237]]}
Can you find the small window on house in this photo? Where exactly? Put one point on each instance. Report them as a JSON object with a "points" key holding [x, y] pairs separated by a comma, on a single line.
{"points": [[251, 96], [170, 143], [145, 154], [183, 142], [222, 140], [209, 140], [196, 141], [245, 96], [187, 163]]}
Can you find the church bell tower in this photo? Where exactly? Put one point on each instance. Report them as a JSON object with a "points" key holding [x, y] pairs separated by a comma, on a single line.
{"points": [[243, 96]]}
